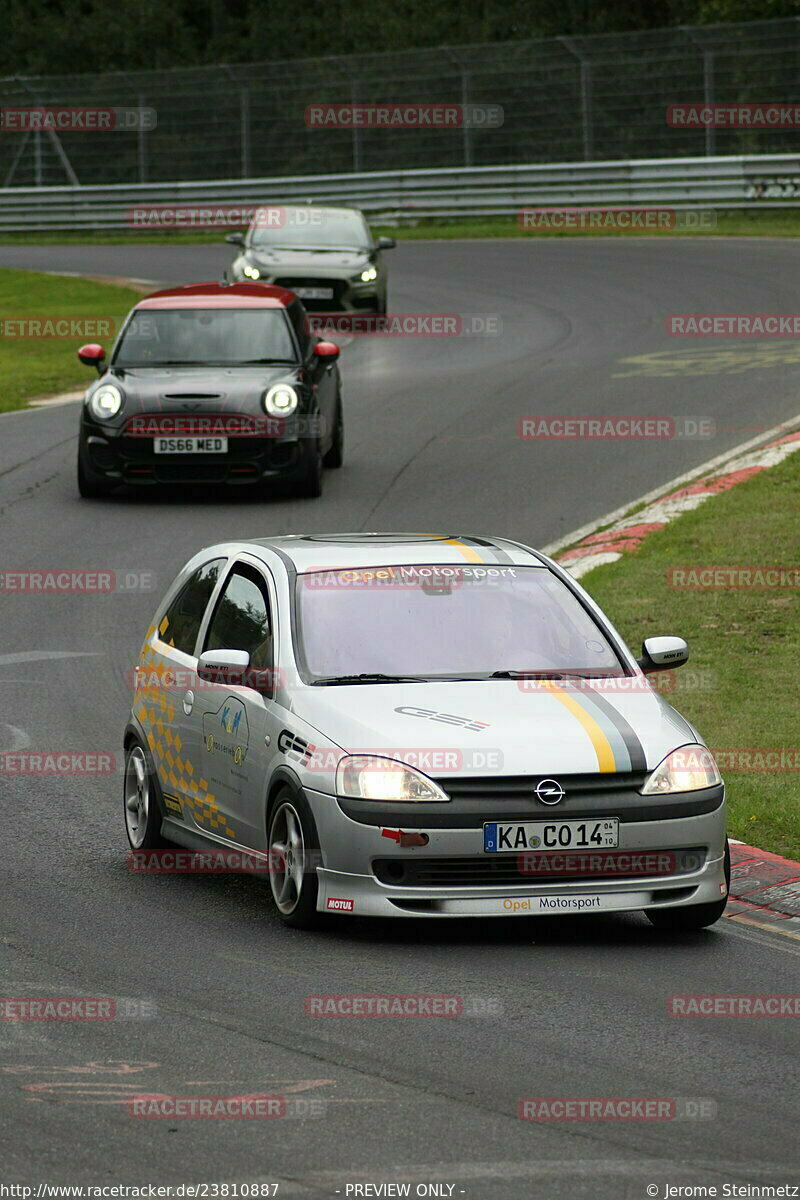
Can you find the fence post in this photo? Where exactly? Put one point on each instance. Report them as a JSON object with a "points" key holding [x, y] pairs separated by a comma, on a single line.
{"points": [[245, 129], [17, 159], [357, 143], [708, 97], [708, 86], [586, 97], [141, 142], [466, 131]]}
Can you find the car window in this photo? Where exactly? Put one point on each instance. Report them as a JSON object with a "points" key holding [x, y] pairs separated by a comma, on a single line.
{"points": [[205, 336], [326, 228], [241, 620], [447, 620], [181, 622]]}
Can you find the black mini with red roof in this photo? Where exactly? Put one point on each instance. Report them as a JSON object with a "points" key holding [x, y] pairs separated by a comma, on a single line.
{"points": [[212, 384]]}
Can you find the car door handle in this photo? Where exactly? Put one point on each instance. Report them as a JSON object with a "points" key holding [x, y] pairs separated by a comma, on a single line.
{"points": [[188, 703]]}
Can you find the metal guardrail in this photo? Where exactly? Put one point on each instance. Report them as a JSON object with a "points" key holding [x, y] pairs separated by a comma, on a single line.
{"points": [[740, 181]]}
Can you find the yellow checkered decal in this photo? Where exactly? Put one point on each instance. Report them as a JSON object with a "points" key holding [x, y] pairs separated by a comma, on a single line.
{"points": [[157, 714]]}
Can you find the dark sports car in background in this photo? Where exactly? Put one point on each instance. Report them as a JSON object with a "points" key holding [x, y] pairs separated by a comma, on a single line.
{"points": [[212, 383], [327, 256]]}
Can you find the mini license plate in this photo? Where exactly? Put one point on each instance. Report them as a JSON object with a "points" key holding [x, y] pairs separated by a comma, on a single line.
{"points": [[313, 293], [551, 835], [191, 445]]}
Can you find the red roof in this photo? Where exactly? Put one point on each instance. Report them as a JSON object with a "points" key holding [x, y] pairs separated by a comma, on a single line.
{"points": [[220, 295]]}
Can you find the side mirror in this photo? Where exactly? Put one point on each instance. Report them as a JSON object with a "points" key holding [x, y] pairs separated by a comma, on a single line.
{"points": [[92, 355], [235, 239], [385, 243], [327, 350], [663, 654], [224, 666]]}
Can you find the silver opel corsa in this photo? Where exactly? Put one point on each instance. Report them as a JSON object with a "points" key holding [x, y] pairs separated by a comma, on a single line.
{"points": [[420, 726]]}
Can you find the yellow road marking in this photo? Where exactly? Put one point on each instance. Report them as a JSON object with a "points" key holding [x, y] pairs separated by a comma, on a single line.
{"points": [[771, 927]]}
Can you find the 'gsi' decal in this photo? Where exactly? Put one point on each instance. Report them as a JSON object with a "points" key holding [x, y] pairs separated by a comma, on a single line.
{"points": [[444, 718], [294, 746]]}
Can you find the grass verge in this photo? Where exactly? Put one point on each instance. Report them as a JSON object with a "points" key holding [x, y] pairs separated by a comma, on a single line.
{"points": [[740, 687], [33, 366], [735, 223]]}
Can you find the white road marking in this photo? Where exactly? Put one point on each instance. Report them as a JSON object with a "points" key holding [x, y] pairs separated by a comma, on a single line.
{"points": [[590, 1168], [705, 468], [584, 565], [665, 510], [57, 401], [19, 740], [22, 656]]}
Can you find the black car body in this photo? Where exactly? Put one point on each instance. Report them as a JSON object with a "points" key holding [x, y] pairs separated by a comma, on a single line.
{"points": [[326, 256], [212, 384]]}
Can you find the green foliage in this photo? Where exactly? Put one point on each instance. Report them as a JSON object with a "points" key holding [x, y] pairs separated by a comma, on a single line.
{"points": [[42, 366], [740, 686], [49, 37]]}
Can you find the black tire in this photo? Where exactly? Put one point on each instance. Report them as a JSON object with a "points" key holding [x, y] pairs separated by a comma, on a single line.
{"points": [[144, 834], [89, 487], [313, 469], [380, 305], [697, 916], [296, 906], [335, 456]]}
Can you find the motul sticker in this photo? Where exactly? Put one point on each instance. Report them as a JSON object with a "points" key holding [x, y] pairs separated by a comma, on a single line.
{"points": [[339, 905]]}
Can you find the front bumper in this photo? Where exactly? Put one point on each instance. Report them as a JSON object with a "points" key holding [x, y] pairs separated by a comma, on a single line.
{"points": [[355, 857], [347, 296], [113, 458]]}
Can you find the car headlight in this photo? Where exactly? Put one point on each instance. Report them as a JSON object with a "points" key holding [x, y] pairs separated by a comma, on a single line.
{"points": [[280, 400], [106, 402], [368, 274], [251, 272], [371, 777], [684, 770]]}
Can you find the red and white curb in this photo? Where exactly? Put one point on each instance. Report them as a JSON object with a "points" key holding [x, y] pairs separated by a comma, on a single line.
{"points": [[765, 890], [623, 531]]}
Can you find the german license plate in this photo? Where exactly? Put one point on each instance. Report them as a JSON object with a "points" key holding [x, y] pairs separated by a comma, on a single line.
{"points": [[551, 835], [191, 445], [309, 293]]}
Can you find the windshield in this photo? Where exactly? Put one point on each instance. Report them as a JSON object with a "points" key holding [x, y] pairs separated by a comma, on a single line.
{"points": [[446, 621], [315, 228], [206, 337]]}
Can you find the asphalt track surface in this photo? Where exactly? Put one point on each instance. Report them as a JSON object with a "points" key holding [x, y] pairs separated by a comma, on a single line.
{"points": [[431, 445]]}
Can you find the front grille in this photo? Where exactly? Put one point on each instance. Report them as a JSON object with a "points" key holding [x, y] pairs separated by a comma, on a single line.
{"points": [[499, 871], [191, 472], [193, 395], [524, 786]]}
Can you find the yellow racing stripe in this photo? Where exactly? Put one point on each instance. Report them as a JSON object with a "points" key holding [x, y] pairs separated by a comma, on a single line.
{"points": [[469, 554], [602, 747]]}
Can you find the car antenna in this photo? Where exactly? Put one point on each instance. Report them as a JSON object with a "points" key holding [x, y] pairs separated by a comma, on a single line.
{"points": [[225, 280]]}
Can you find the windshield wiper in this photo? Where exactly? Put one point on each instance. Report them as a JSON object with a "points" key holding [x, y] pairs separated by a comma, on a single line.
{"points": [[527, 675], [271, 362], [550, 675], [368, 677]]}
